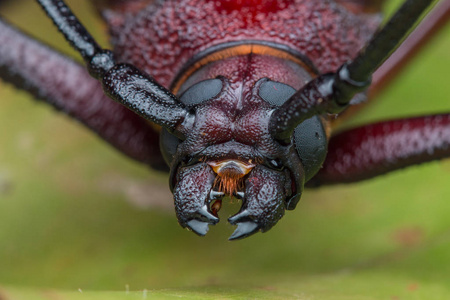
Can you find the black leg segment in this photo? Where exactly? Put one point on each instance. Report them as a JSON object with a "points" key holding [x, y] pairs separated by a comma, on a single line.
{"points": [[331, 93], [122, 82]]}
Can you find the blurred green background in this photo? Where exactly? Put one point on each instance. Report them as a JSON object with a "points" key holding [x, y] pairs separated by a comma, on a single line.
{"points": [[80, 221]]}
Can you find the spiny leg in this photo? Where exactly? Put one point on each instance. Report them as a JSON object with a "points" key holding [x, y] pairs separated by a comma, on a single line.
{"points": [[379, 148], [67, 86]]}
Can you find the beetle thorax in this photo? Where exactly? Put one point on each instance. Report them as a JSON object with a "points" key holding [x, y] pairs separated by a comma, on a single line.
{"points": [[170, 43]]}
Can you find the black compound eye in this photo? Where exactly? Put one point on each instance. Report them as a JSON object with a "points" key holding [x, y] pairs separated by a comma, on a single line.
{"points": [[312, 145], [201, 92], [275, 93], [309, 137], [168, 144]]}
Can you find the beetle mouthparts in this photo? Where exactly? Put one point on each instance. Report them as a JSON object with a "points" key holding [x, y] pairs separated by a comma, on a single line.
{"points": [[230, 174], [229, 166]]}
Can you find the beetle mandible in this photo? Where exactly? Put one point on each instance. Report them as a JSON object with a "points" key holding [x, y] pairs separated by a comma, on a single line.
{"points": [[244, 92]]}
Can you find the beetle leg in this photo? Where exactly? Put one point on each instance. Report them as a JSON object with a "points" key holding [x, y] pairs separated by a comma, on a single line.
{"points": [[379, 148], [64, 84], [263, 203], [193, 195]]}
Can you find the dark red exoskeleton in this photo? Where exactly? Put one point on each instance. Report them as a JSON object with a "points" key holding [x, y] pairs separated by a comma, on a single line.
{"points": [[244, 93]]}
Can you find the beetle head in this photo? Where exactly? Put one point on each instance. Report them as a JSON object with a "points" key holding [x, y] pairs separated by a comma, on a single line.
{"points": [[227, 149]]}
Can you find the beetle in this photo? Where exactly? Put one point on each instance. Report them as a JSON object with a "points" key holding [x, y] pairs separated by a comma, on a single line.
{"points": [[245, 93]]}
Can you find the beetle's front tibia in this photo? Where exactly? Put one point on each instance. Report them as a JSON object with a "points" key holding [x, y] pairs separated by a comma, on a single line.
{"points": [[192, 196]]}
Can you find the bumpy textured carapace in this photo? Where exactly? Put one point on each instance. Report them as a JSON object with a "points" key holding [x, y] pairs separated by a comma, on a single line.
{"points": [[243, 91]]}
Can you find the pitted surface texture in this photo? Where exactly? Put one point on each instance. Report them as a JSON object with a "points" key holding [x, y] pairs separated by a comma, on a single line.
{"points": [[164, 35]]}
